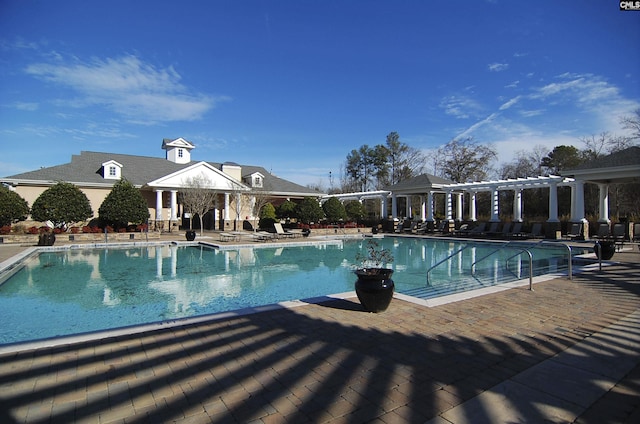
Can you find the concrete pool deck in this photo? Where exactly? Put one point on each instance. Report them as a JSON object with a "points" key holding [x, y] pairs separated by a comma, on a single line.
{"points": [[566, 352]]}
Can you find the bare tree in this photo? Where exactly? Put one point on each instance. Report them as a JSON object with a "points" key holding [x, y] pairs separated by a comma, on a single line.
{"points": [[465, 160], [632, 123], [198, 197]]}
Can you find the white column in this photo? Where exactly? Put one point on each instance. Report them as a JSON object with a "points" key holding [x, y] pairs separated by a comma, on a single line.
{"points": [[604, 203], [449, 206], [158, 205], [553, 202], [472, 206], [458, 206], [174, 205], [517, 205], [253, 206], [423, 208], [408, 207], [430, 206], [226, 206], [578, 208], [495, 205], [394, 206]]}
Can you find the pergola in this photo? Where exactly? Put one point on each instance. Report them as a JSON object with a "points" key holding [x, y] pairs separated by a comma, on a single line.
{"points": [[620, 167]]}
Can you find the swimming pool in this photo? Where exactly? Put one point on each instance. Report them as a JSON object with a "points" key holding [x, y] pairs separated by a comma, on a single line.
{"points": [[73, 291]]}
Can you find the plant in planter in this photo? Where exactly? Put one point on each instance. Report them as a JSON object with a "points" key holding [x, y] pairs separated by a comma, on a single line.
{"points": [[374, 285]]}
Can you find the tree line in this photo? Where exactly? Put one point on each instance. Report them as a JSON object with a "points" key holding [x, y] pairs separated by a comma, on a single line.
{"points": [[466, 160]]}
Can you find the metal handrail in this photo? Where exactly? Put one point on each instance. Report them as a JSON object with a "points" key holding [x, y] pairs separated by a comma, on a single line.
{"points": [[444, 260], [570, 270], [506, 263]]}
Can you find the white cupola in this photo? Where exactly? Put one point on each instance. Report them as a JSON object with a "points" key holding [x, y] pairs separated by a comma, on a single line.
{"points": [[178, 150]]}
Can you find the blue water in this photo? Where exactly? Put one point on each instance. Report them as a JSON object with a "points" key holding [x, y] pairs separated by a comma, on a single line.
{"points": [[85, 290]]}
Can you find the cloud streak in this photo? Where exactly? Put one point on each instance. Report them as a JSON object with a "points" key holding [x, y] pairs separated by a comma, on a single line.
{"points": [[127, 86]]}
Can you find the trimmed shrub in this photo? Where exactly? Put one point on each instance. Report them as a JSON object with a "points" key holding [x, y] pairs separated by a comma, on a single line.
{"points": [[63, 203], [12, 207]]}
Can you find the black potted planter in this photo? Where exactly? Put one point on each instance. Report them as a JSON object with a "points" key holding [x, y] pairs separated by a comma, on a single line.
{"points": [[46, 239], [190, 235], [374, 288], [605, 250]]}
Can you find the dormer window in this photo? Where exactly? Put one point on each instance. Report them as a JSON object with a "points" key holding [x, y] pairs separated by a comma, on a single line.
{"points": [[180, 153], [111, 170], [255, 180]]}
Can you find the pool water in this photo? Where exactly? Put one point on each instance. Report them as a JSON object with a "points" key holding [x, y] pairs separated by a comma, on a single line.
{"points": [[76, 291]]}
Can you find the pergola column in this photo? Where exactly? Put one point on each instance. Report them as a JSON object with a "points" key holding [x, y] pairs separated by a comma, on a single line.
{"points": [[158, 205], [577, 208], [449, 206], [495, 205], [472, 206], [604, 203], [517, 205], [553, 202], [458, 206], [409, 210], [394, 206], [430, 206], [423, 208]]}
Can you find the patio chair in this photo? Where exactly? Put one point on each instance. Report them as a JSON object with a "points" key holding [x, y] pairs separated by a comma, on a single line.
{"points": [[603, 232], [229, 237], [575, 232], [516, 232], [478, 230], [281, 233], [618, 235], [536, 231], [463, 230]]}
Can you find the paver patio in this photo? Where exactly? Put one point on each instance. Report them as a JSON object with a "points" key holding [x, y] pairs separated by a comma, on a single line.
{"points": [[568, 351]]}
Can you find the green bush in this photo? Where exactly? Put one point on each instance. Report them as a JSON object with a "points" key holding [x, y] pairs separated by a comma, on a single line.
{"points": [[355, 210], [123, 205], [62, 203], [309, 210], [286, 209], [334, 210], [12, 207]]}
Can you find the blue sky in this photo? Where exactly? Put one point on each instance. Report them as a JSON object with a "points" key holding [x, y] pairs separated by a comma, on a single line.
{"points": [[294, 86]]}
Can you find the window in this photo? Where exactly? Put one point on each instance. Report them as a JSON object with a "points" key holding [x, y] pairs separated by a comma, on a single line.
{"points": [[180, 153], [257, 182], [112, 171]]}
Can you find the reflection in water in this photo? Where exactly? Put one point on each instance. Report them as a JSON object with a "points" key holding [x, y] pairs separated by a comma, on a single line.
{"points": [[83, 290]]}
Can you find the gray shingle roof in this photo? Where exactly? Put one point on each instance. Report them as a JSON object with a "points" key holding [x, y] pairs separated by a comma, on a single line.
{"points": [[626, 157], [139, 170], [420, 181]]}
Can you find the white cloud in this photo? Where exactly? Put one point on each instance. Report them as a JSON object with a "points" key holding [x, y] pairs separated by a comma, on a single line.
{"points": [[461, 107], [127, 86], [498, 67]]}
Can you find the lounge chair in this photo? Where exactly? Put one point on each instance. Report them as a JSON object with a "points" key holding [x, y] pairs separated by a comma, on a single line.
{"points": [[262, 236], [229, 237], [603, 232], [463, 230], [575, 232], [281, 233], [516, 232], [478, 230], [618, 235], [536, 231]]}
